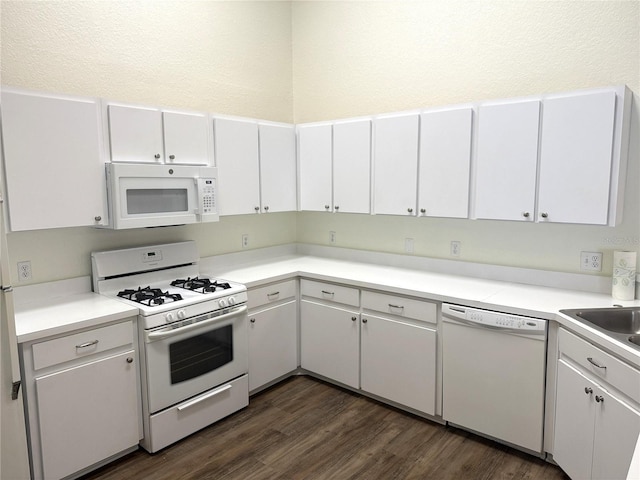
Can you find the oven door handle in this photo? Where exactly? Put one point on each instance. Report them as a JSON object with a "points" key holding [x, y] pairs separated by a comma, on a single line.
{"points": [[176, 331]]}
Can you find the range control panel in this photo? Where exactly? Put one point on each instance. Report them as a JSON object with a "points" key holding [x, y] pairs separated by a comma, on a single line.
{"points": [[494, 319]]}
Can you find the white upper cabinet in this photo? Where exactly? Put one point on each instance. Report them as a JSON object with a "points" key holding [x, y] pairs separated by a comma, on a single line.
{"points": [[236, 147], [445, 160], [576, 158], [151, 135], [277, 167], [314, 157], [395, 164], [506, 160], [352, 166], [53, 156]]}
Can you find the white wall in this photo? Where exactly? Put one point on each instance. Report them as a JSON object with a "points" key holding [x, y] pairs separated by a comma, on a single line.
{"points": [[306, 61], [360, 58]]}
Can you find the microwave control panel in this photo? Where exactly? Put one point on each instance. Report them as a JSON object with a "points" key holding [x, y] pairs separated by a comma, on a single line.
{"points": [[207, 194]]}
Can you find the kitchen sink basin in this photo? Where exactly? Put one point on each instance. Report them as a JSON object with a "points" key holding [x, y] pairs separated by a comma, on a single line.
{"points": [[620, 323]]}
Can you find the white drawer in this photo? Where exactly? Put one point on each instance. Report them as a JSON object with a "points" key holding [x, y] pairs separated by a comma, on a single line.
{"points": [[63, 349], [613, 371], [271, 293], [400, 306], [177, 422], [330, 292]]}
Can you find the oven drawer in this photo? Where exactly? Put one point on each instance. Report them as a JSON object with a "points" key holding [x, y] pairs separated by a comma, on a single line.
{"points": [[615, 372], [271, 293], [196, 413], [330, 292], [400, 306], [79, 345]]}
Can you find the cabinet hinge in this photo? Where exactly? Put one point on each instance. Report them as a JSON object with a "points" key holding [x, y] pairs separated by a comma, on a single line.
{"points": [[15, 388]]}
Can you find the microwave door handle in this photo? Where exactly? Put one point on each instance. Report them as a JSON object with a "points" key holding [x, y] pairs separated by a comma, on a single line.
{"points": [[199, 208]]}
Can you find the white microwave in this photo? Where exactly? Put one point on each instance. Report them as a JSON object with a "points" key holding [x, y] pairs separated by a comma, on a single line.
{"points": [[146, 195]]}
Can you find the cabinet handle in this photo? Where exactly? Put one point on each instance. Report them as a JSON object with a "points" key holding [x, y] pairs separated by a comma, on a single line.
{"points": [[592, 362], [525, 214], [400, 307], [274, 294], [129, 360], [599, 399], [326, 207], [172, 157], [410, 210], [423, 210], [588, 390], [156, 156], [257, 209], [266, 208], [253, 320], [353, 319], [88, 344], [364, 320], [97, 218], [337, 207], [544, 214], [328, 293]]}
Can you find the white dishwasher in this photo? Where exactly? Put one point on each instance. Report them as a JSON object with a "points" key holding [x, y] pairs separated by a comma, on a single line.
{"points": [[493, 377]]}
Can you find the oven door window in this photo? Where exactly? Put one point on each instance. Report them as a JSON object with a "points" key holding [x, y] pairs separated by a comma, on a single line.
{"points": [[201, 354]]}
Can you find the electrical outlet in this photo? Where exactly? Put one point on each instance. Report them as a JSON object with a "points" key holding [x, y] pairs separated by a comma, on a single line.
{"points": [[408, 245], [332, 237], [591, 261], [245, 240], [455, 248], [24, 271]]}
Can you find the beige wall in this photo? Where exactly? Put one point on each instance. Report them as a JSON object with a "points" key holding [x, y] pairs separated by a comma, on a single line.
{"points": [[306, 61]]}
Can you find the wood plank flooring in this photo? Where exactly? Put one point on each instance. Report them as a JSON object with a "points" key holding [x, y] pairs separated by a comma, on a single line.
{"points": [[304, 428]]}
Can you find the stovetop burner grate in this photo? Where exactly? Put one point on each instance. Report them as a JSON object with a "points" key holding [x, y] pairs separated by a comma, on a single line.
{"points": [[200, 285], [149, 296]]}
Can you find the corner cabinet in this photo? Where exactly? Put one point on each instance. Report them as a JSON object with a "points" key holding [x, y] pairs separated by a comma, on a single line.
{"points": [[273, 333], [597, 423], [54, 160], [82, 398]]}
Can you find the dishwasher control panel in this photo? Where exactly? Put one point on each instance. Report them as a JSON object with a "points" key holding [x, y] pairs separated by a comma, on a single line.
{"points": [[494, 319]]}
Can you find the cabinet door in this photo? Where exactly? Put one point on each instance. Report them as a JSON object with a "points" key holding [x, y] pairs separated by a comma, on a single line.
{"points": [[87, 414], [273, 344], [399, 362], [329, 339], [576, 157], [352, 166], [135, 134], [395, 158], [186, 138], [314, 155], [53, 157], [236, 143], [616, 437], [506, 161], [573, 430], [278, 167], [445, 158]]}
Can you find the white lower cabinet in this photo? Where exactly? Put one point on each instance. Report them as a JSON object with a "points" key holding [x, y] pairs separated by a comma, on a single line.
{"points": [[82, 400], [329, 342], [596, 426], [398, 362]]}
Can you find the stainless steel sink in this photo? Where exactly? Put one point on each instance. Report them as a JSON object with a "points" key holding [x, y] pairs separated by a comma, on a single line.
{"points": [[620, 323]]}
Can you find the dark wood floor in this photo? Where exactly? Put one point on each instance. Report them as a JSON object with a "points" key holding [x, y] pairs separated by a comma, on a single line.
{"points": [[306, 429]]}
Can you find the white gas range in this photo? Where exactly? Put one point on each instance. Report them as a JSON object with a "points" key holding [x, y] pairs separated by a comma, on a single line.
{"points": [[192, 334]]}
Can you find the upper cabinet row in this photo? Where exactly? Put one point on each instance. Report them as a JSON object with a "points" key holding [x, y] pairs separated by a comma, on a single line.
{"points": [[549, 158], [553, 158]]}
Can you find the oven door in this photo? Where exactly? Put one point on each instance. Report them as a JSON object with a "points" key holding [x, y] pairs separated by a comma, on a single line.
{"points": [[185, 361]]}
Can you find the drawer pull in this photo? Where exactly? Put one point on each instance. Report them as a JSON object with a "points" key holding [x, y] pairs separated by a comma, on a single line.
{"points": [[271, 295], [599, 398], [399, 307], [592, 362], [88, 344], [204, 397], [588, 390], [328, 293]]}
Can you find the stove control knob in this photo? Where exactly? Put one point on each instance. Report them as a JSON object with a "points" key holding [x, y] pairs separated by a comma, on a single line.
{"points": [[232, 300], [181, 314], [170, 317], [222, 302]]}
